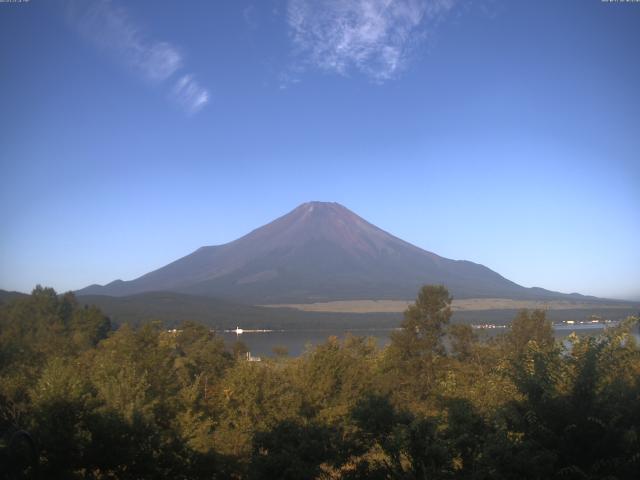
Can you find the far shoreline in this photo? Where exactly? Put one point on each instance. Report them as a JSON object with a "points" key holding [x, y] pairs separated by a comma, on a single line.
{"points": [[458, 305]]}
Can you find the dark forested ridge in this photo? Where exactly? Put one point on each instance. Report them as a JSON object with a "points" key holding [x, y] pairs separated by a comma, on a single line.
{"points": [[79, 399], [174, 308], [6, 296], [321, 252]]}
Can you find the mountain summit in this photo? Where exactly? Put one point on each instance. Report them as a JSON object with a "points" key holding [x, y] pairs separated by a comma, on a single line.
{"points": [[319, 252]]}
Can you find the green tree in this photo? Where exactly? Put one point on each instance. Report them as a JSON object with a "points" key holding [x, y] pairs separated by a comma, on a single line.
{"points": [[463, 341], [88, 325], [424, 324], [416, 350], [252, 397], [530, 326], [292, 451], [335, 374]]}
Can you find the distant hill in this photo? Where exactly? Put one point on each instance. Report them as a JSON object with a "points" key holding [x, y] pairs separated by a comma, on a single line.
{"points": [[174, 308], [320, 252], [6, 296]]}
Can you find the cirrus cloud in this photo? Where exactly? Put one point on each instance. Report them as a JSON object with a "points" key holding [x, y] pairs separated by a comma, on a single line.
{"points": [[373, 37], [189, 94], [110, 27]]}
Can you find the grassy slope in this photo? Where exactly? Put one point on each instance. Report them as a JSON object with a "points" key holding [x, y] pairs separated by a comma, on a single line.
{"points": [[174, 308], [468, 304]]}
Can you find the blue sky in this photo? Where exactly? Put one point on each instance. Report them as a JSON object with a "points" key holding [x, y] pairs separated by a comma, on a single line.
{"points": [[502, 132]]}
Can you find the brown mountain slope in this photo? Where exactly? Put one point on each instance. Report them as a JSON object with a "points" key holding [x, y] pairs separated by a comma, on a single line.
{"points": [[320, 252]]}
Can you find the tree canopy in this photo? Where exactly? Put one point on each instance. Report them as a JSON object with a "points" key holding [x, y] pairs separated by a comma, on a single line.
{"points": [[79, 399]]}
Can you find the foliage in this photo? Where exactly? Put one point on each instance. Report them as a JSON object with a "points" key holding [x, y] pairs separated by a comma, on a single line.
{"points": [[80, 400]]}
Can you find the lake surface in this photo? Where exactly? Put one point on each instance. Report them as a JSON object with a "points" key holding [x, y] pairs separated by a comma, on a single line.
{"points": [[297, 341]]}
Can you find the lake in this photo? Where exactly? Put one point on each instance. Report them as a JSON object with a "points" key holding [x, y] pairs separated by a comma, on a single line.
{"points": [[296, 341]]}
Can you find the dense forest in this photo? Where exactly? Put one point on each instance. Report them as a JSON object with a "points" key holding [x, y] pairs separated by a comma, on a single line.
{"points": [[79, 399]]}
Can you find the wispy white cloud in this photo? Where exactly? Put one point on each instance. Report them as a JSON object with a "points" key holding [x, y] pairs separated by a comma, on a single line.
{"points": [[374, 37], [110, 26], [189, 94], [251, 16]]}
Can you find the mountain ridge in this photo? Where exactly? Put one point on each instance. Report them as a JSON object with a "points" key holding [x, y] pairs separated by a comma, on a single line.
{"points": [[320, 251]]}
